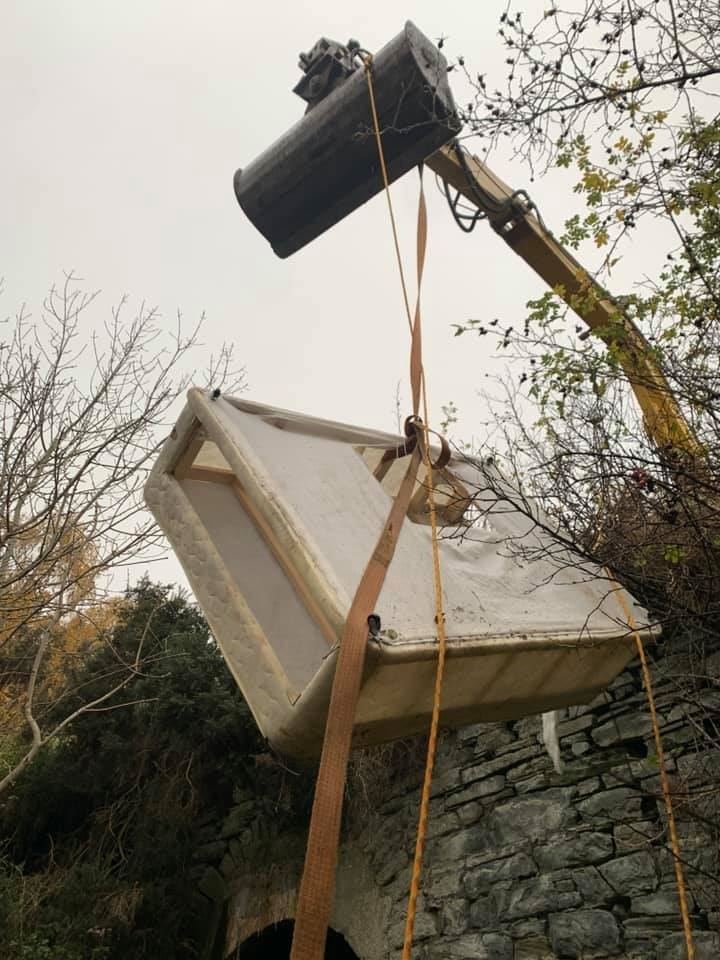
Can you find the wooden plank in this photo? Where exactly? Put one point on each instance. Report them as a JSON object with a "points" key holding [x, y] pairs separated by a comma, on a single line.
{"points": [[185, 460], [208, 475], [268, 535]]}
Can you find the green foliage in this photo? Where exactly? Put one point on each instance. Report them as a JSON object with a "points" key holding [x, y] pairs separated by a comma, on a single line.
{"points": [[621, 96], [674, 554], [99, 832]]}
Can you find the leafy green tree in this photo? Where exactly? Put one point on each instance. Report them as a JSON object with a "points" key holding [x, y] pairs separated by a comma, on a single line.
{"points": [[99, 832]]}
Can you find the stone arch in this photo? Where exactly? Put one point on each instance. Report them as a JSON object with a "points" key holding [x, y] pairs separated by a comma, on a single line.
{"points": [[275, 940], [264, 893]]}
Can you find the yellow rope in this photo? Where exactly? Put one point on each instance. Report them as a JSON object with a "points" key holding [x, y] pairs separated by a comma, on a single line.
{"points": [[667, 796], [435, 719], [386, 181], [437, 576]]}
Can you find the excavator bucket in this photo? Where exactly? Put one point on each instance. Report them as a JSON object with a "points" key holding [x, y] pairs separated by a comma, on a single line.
{"points": [[327, 164]]}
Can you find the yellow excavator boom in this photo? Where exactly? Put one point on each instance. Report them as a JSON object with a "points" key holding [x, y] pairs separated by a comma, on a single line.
{"points": [[511, 216]]}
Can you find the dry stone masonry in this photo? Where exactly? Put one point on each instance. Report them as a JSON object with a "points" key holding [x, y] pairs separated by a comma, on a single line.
{"points": [[521, 863]]}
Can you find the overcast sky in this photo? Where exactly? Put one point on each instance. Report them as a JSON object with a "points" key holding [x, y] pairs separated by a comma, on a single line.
{"points": [[124, 123]]}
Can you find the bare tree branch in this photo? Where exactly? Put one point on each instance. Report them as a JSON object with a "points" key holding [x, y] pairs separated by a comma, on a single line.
{"points": [[81, 417]]}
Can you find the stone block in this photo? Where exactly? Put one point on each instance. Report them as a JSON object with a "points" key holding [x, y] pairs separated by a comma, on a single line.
{"points": [[618, 804], [634, 836], [509, 825], [471, 946], [679, 735], [529, 929], [541, 781], [440, 884], [439, 825], [591, 764], [479, 771], [707, 946], [455, 917], [649, 766], [529, 728], [483, 913], [443, 782], [470, 813], [705, 889], [541, 765], [483, 877], [586, 787], [477, 790], [657, 904], [632, 874], [530, 818], [530, 898], [452, 847], [593, 887], [639, 950], [533, 948], [651, 929], [703, 767], [574, 725], [574, 850], [497, 946], [628, 726], [473, 732], [425, 925], [584, 934]]}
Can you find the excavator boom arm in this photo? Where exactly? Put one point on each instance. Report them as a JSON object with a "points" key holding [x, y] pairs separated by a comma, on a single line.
{"points": [[524, 232]]}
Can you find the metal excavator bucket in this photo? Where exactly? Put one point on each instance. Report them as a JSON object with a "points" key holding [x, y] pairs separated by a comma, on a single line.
{"points": [[327, 164]]}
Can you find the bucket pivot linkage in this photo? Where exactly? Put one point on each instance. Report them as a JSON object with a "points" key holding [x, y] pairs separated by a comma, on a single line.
{"points": [[325, 67]]}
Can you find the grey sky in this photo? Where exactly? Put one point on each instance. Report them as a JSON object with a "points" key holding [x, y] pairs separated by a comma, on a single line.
{"points": [[124, 123]]}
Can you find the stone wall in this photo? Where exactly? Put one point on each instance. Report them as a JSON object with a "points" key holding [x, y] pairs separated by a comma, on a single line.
{"points": [[521, 863]]}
